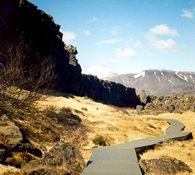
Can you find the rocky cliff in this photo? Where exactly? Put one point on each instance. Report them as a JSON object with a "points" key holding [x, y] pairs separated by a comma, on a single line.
{"points": [[108, 92], [30, 35]]}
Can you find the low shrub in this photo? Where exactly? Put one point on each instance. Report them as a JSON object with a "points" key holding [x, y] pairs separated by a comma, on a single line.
{"points": [[99, 140], [84, 109], [50, 112], [64, 116]]}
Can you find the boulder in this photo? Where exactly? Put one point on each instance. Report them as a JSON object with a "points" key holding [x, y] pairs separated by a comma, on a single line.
{"points": [[66, 117], [62, 157], [15, 150], [175, 103], [171, 108], [9, 133], [47, 171], [164, 165], [139, 108], [143, 97]]}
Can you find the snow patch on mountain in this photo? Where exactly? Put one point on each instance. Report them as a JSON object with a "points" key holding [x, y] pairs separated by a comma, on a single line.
{"points": [[158, 82], [163, 75], [181, 76], [141, 74], [172, 82]]}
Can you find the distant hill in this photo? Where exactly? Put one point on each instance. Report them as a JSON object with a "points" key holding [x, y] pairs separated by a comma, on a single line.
{"points": [[158, 82]]}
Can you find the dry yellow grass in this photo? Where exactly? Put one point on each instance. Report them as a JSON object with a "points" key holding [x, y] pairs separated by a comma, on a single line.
{"points": [[116, 125], [181, 150], [5, 169]]}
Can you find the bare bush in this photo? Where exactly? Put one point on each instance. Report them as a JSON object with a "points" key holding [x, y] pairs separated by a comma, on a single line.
{"points": [[21, 80]]}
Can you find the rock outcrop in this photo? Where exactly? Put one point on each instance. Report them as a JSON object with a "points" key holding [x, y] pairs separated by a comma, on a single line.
{"points": [[107, 92], [164, 165], [143, 97], [175, 103], [10, 134], [16, 151], [30, 35], [61, 159]]}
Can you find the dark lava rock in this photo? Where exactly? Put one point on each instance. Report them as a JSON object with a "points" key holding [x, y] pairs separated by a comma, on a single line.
{"points": [[46, 171], [19, 159], [32, 35], [177, 103], [62, 157], [27, 148], [66, 117], [2, 155], [15, 150], [164, 165], [108, 92]]}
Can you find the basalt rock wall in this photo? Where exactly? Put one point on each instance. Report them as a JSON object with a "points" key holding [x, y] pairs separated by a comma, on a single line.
{"points": [[32, 35], [108, 92]]}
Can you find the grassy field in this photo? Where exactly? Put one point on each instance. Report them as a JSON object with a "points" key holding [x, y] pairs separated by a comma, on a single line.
{"points": [[115, 125], [104, 124], [119, 125]]}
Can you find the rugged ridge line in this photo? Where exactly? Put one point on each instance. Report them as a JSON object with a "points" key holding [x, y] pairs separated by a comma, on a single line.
{"points": [[158, 82]]}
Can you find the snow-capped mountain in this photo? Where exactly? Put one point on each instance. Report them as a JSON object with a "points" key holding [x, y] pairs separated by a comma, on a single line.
{"points": [[109, 75], [158, 82]]}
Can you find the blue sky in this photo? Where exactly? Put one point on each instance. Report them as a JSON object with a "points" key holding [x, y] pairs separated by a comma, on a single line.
{"points": [[127, 36]]}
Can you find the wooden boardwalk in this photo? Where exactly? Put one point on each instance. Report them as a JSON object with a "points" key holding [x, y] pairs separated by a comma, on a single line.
{"points": [[121, 159]]}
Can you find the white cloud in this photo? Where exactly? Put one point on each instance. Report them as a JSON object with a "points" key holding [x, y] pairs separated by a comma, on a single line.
{"points": [[111, 41], [155, 37], [187, 13], [158, 43], [125, 53], [87, 32], [93, 19], [163, 29], [68, 37], [99, 71]]}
